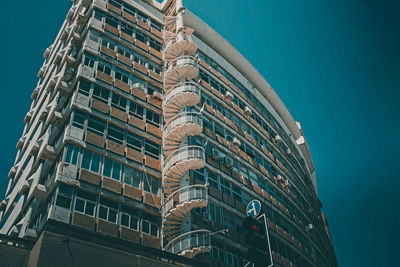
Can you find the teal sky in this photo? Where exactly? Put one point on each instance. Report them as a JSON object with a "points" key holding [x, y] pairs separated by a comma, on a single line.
{"points": [[334, 63]]}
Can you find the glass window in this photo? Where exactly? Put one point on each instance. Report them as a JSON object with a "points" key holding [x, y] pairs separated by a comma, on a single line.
{"points": [[101, 93], [112, 169], [134, 141], [141, 37], [96, 125], [64, 196], [132, 176], [136, 109], [115, 134], [78, 119], [88, 61], [108, 210], [151, 184], [84, 87], [118, 102], [150, 224], [91, 161], [104, 68], [122, 76], [153, 118], [85, 203], [151, 149], [71, 154], [130, 217]]}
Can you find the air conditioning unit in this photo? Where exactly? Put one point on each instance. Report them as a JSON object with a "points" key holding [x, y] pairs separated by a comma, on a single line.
{"points": [[247, 111], [138, 86], [279, 178], [287, 184], [157, 95], [229, 95], [277, 139], [236, 141], [289, 151]]}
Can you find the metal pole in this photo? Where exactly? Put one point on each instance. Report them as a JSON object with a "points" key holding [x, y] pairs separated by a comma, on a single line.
{"points": [[269, 244]]}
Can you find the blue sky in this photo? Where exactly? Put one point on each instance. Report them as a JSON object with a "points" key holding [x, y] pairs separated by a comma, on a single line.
{"points": [[334, 63]]}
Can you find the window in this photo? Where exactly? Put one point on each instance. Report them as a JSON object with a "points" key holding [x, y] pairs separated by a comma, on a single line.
{"points": [[96, 125], [91, 161], [213, 179], [132, 176], [150, 224], [115, 134], [141, 16], [139, 59], [115, 3], [71, 155], [84, 87], [141, 37], [122, 76], [126, 29], [133, 141], [154, 44], [124, 51], [104, 68], [112, 21], [151, 149], [130, 217], [237, 193], [78, 119], [152, 89], [108, 210], [225, 187], [136, 109], [85, 203], [214, 213], [118, 102], [64, 196], [89, 61], [112, 169], [152, 118], [154, 68], [151, 184], [156, 25], [101, 93], [199, 175], [108, 43]]}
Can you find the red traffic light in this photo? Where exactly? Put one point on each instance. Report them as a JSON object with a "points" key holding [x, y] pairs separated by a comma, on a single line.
{"points": [[253, 225]]}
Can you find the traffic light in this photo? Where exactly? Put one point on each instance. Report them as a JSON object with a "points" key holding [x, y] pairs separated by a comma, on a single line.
{"points": [[256, 238]]}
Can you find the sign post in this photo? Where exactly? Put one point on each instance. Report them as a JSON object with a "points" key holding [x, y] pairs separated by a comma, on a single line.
{"points": [[257, 236]]}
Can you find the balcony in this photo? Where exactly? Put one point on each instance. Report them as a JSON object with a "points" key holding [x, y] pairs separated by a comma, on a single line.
{"points": [[180, 126], [179, 46], [180, 68], [179, 162], [183, 200], [182, 94], [190, 244]]}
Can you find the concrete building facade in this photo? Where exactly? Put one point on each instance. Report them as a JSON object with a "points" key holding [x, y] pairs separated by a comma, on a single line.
{"points": [[147, 127]]}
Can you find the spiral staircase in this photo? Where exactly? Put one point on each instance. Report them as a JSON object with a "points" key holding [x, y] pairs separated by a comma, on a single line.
{"points": [[181, 93]]}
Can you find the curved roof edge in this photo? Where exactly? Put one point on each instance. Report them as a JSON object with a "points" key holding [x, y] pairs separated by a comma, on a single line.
{"points": [[234, 57]]}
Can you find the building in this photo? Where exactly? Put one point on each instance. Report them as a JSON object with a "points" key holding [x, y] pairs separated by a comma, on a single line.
{"points": [[148, 130]]}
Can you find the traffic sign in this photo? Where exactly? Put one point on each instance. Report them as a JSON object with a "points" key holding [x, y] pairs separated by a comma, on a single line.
{"points": [[253, 208]]}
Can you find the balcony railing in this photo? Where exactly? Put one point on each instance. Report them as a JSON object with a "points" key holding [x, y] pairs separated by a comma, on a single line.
{"points": [[182, 88], [182, 119], [197, 241], [184, 154], [186, 194], [181, 67]]}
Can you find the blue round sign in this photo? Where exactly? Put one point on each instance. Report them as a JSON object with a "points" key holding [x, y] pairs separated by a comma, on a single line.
{"points": [[253, 208]]}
